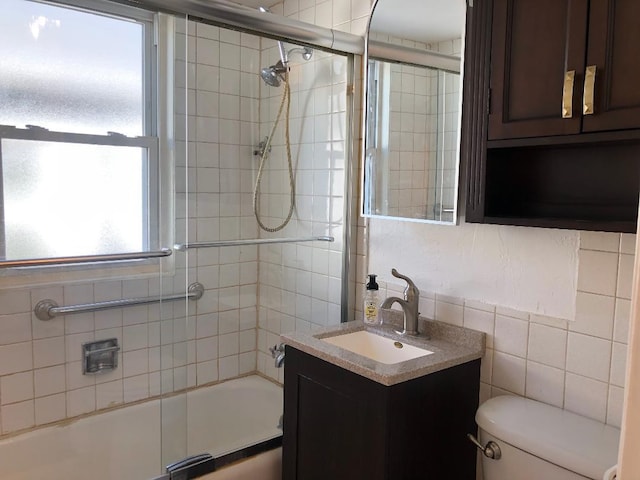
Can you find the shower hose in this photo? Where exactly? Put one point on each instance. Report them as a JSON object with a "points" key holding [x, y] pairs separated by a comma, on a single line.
{"points": [[284, 105]]}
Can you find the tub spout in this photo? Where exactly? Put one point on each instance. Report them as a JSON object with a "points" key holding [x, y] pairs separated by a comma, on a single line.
{"points": [[277, 352]]}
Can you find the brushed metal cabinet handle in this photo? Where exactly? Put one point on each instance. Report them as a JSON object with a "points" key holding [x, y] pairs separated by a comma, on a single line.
{"points": [[589, 90], [567, 94]]}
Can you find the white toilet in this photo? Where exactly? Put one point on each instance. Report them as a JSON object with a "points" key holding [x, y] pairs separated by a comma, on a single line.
{"points": [[541, 442]]}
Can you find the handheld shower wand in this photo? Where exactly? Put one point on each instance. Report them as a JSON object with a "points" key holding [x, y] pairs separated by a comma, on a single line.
{"points": [[274, 76], [283, 52]]}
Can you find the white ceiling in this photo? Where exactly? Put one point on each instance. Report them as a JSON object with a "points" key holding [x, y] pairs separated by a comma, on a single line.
{"points": [[421, 20]]}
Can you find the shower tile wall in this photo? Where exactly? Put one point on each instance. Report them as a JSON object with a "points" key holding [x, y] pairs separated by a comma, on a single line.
{"points": [[303, 281], [222, 105], [300, 284], [41, 377], [297, 285]]}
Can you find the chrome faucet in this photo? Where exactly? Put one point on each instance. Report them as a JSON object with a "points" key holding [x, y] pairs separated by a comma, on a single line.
{"points": [[409, 304]]}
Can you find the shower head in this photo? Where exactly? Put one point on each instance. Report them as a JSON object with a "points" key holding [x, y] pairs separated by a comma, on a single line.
{"points": [[272, 75]]}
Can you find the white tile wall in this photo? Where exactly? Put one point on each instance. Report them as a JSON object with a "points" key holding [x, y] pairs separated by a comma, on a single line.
{"points": [[594, 315], [577, 364], [50, 409], [18, 416], [545, 384], [547, 345], [599, 271], [17, 387], [225, 114], [509, 372], [586, 396]]}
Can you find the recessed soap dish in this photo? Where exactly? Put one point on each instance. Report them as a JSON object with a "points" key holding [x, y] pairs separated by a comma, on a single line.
{"points": [[100, 356]]}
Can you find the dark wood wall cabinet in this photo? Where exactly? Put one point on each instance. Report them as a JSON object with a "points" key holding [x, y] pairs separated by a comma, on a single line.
{"points": [[341, 426], [551, 113]]}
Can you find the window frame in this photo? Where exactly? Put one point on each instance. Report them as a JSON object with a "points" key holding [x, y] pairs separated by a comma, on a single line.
{"points": [[157, 139]]}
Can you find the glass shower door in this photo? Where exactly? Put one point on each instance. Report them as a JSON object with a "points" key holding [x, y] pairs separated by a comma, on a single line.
{"points": [[87, 271], [224, 393]]}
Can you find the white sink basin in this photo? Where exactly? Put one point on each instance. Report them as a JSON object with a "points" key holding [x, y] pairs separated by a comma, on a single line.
{"points": [[375, 347]]}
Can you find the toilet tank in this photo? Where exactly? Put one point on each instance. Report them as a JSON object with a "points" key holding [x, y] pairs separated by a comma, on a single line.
{"points": [[541, 441]]}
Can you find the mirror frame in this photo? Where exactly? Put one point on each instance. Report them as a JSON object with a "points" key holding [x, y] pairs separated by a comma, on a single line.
{"points": [[404, 55]]}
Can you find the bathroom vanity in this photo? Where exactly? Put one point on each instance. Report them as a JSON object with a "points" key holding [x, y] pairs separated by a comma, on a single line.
{"points": [[348, 416]]}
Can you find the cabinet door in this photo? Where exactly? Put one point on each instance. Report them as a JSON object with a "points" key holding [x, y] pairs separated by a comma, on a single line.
{"points": [[614, 49], [333, 422], [535, 44]]}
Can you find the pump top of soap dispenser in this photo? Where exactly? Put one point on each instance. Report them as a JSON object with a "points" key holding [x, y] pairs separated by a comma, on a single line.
{"points": [[371, 284]]}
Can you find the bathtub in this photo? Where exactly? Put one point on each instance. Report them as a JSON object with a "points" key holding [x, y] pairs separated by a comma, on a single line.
{"points": [[125, 443]]}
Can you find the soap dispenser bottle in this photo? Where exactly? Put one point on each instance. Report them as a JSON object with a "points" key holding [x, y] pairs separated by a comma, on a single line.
{"points": [[371, 302]]}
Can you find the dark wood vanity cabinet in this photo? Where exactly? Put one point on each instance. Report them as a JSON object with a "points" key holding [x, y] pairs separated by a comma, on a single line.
{"points": [[551, 113], [340, 425]]}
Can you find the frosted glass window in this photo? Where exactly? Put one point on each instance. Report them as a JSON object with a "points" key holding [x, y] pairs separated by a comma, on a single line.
{"points": [[84, 181], [70, 70], [51, 210]]}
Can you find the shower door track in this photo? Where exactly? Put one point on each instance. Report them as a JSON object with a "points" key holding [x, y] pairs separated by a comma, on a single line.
{"points": [[199, 465], [181, 247], [224, 13]]}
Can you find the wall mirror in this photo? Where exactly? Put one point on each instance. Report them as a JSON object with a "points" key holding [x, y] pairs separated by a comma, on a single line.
{"points": [[412, 109]]}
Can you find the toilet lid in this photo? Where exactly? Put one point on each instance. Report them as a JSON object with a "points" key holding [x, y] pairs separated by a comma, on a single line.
{"points": [[576, 443]]}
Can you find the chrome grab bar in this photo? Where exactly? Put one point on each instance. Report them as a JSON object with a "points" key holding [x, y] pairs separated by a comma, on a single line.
{"points": [[48, 309], [182, 247], [112, 257]]}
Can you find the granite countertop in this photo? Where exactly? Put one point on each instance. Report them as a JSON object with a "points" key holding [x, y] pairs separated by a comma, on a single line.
{"points": [[452, 345]]}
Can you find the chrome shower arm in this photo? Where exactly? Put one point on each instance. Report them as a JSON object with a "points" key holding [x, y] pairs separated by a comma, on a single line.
{"points": [[306, 52]]}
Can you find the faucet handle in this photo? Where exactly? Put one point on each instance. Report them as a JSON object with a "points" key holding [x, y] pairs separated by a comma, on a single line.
{"points": [[411, 289]]}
